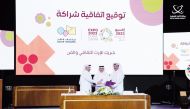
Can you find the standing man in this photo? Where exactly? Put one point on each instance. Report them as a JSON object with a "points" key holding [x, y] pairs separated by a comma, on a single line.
{"points": [[117, 76], [101, 77], [86, 81]]}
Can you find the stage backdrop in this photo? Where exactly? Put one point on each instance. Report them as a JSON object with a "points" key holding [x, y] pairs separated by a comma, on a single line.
{"points": [[6, 50], [177, 51], [58, 37]]}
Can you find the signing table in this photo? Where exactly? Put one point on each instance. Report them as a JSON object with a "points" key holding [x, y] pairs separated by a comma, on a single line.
{"points": [[125, 101]]}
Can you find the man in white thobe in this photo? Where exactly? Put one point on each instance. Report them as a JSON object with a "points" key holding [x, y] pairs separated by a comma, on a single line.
{"points": [[86, 80], [117, 76], [101, 77]]}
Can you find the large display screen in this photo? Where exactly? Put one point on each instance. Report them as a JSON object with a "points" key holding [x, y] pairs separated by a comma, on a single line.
{"points": [[58, 37], [176, 51]]}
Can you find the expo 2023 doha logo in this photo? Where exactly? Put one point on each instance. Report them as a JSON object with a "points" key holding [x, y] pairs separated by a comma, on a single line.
{"points": [[187, 72]]}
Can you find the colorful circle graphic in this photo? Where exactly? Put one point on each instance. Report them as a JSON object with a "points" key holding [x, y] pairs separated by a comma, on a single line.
{"points": [[7, 38], [33, 59], [60, 30], [22, 59], [152, 6], [48, 23], [40, 18], [27, 68], [148, 12]]}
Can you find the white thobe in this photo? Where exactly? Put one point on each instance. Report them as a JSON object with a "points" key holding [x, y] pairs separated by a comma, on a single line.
{"points": [[86, 82], [101, 77], [118, 78]]}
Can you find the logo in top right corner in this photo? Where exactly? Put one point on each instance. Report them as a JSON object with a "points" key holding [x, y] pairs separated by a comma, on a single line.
{"points": [[177, 9], [187, 72], [178, 13]]}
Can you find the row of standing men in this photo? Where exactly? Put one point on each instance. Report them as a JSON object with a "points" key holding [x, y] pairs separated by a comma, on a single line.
{"points": [[86, 81]]}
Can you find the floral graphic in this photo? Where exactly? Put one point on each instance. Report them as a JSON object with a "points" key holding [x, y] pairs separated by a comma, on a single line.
{"points": [[105, 90], [40, 18]]}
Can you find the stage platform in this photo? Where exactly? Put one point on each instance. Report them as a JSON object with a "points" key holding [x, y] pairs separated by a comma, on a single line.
{"points": [[126, 101]]}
